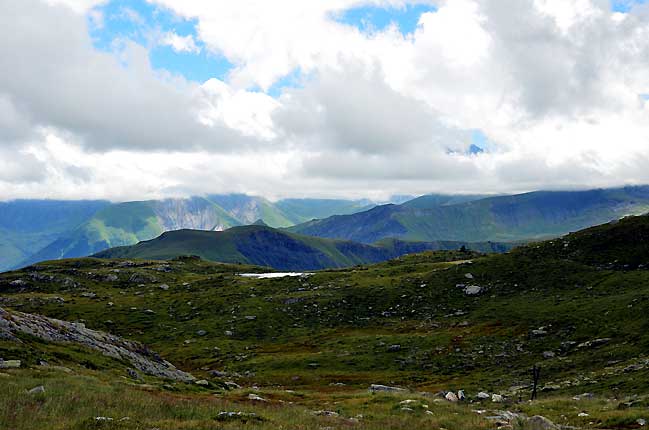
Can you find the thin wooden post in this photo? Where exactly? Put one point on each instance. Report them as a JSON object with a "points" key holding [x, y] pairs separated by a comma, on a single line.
{"points": [[536, 374]]}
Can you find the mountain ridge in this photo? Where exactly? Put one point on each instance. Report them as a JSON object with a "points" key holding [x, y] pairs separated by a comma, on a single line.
{"points": [[127, 223], [433, 217], [535, 215], [281, 250]]}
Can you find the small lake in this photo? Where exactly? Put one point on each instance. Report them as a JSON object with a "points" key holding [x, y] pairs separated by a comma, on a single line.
{"points": [[273, 275]]}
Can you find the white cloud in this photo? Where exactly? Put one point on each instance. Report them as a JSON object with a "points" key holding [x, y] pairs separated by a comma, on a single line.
{"points": [[180, 43], [356, 110], [248, 112], [267, 40], [105, 100], [78, 6], [554, 84]]}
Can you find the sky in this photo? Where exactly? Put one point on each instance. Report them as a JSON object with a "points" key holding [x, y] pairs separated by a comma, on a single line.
{"points": [[143, 99]]}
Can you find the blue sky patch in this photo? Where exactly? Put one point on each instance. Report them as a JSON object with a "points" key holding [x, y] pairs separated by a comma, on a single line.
{"points": [[144, 23], [479, 142], [624, 5], [292, 80], [372, 18], [194, 67], [475, 149]]}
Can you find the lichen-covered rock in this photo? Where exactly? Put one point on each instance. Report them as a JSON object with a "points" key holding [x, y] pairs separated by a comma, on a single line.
{"points": [[386, 389], [483, 396], [142, 278], [37, 390], [538, 422], [53, 330], [451, 397], [256, 398], [472, 290]]}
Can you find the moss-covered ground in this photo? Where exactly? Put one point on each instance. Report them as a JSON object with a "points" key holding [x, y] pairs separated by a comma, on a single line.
{"points": [[318, 342]]}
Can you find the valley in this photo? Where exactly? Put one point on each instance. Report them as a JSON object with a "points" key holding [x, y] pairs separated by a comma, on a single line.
{"points": [[429, 323]]}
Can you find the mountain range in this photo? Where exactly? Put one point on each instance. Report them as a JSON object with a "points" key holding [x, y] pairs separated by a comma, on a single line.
{"points": [[264, 246], [32, 231], [528, 216], [37, 230]]}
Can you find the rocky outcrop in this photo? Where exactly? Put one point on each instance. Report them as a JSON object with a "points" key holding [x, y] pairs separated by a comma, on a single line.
{"points": [[53, 330], [376, 388], [194, 213], [538, 422]]}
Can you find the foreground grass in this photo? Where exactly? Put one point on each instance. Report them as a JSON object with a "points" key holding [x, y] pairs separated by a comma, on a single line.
{"points": [[75, 401], [94, 400]]}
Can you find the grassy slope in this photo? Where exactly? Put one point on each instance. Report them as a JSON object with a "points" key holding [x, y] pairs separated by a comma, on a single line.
{"points": [[72, 401], [117, 225], [412, 301], [28, 225], [265, 246], [129, 223], [502, 218], [337, 326]]}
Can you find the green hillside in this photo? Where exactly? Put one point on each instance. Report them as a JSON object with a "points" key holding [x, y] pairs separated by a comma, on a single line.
{"points": [[29, 225], [265, 246], [128, 223], [428, 323], [502, 218], [32, 231]]}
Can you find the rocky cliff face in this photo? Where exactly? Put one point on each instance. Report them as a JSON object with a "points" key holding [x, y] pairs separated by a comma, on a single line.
{"points": [[53, 330], [194, 213]]}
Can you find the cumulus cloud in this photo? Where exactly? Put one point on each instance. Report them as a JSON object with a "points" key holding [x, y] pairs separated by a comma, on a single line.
{"points": [[249, 112], [356, 110], [267, 40], [18, 168], [179, 43], [56, 78], [15, 127], [555, 85], [78, 6]]}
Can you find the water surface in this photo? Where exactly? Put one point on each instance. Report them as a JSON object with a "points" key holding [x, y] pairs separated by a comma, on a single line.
{"points": [[273, 275]]}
